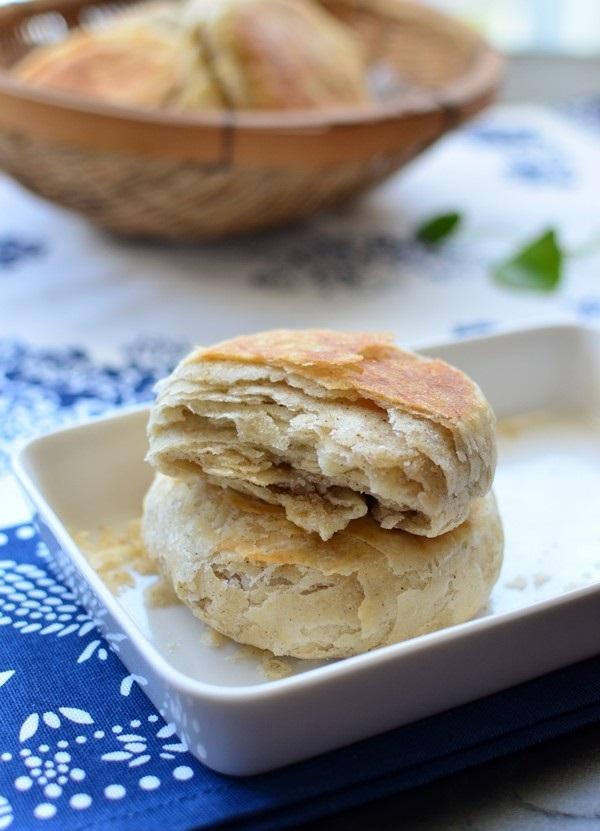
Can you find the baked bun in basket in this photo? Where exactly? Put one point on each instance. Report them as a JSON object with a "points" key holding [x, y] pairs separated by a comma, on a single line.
{"points": [[142, 59], [207, 54]]}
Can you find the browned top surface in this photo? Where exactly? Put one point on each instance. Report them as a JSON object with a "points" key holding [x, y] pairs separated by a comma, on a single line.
{"points": [[136, 67], [321, 63], [368, 364]]}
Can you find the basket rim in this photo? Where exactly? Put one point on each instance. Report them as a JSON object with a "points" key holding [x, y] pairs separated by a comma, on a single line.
{"points": [[238, 136]]}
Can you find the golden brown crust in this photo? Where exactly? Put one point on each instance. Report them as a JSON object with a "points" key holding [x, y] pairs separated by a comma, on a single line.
{"points": [[366, 363], [144, 59], [298, 347], [280, 54], [139, 68], [239, 54]]}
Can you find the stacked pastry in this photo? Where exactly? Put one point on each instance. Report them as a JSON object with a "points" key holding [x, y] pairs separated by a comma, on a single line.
{"points": [[320, 493], [209, 54]]}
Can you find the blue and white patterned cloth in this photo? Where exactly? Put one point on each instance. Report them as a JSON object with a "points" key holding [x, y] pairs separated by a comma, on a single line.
{"points": [[89, 323]]}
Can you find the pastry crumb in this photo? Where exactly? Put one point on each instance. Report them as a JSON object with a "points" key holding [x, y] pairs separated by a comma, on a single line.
{"points": [[275, 668], [213, 638], [160, 594], [508, 429], [271, 666], [540, 578], [518, 583], [116, 553], [244, 652]]}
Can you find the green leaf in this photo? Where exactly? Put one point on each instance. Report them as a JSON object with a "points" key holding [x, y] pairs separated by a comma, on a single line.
{"points": [[437, 228], [538, 265]]}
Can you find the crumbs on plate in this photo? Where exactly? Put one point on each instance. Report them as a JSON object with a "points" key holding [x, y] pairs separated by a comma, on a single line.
{"points": [[271, 666], [160, 594], [519, 582], [513, 427], [116, 553], [215, 639]]}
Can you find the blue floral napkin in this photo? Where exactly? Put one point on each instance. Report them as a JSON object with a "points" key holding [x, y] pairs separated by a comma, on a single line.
{"points": [[82, 747]]}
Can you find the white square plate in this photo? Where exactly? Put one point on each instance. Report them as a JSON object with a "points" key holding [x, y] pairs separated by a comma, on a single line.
{"points": [[544, 612]]}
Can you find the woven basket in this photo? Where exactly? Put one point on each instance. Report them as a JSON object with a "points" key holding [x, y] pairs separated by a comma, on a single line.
{"points": [[179, 176]]}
